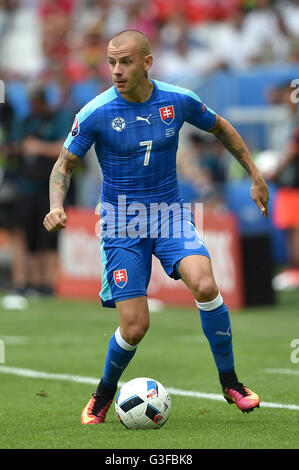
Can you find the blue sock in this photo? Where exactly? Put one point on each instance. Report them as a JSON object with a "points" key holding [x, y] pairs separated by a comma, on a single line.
{"points": [[118, 357], [216, 326]]}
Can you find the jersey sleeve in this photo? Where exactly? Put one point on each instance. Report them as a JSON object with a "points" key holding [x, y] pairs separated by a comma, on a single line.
{"points": [[197, 113], [83, 132]]}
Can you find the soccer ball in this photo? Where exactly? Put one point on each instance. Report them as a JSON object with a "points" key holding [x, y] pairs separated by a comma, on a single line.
{"points": [[143, 403]]}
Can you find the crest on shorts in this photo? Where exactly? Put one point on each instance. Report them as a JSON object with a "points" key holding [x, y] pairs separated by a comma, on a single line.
{"points": [[167, 114], [75, 127], [120, 277]]}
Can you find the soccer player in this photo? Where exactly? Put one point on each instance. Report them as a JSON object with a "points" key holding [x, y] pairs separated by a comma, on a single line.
{"points": [[135, 126]]}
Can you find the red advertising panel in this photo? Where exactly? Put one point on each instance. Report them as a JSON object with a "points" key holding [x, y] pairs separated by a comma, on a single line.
{"points": [[79, 256], [80, 261]]}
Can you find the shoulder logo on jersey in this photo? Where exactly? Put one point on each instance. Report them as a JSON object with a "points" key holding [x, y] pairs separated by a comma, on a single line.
{"points": [[75, 127], [120, 278], [167, 114], [118, 124]]}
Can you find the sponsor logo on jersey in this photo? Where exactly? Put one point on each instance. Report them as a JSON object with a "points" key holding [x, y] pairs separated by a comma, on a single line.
{"points": [[118, 124], [120, 277], [75, 127], [167, 114], [203, 108], [147, 119]]}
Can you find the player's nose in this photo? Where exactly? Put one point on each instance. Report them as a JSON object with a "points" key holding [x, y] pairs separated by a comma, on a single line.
{"points": [[117, 70]]}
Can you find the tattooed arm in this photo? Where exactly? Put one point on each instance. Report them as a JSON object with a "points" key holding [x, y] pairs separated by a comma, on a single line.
{"points": [[234, 143], [59, 183]]}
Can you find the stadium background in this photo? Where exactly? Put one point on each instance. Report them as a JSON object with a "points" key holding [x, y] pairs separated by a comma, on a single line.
{"points": [[237, 55], [240, 56]]}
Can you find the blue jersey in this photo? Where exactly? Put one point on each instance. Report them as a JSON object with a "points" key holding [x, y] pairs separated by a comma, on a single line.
{"points": [[136, 143]]}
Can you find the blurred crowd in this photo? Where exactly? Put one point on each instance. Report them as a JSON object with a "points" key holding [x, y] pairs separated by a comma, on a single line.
{"points": [[52, 61], [63, 42]]}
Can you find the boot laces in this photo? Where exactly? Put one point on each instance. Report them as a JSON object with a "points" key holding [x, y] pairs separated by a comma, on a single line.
{"points": [[100, 406], [240, 388]]}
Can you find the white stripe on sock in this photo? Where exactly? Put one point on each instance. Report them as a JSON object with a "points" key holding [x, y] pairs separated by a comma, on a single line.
{"points": [[207, 306], [122, 343]]}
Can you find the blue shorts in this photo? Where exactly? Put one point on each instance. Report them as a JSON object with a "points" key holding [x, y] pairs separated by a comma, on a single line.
{"points": [[127, 262]]}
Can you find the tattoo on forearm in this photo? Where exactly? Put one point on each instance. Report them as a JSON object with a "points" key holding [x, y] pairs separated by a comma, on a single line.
{"points": [[61, 176], [233, 142]]}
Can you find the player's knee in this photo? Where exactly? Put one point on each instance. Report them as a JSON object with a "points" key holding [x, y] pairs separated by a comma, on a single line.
{"points": [[205, 289], [133, 333]]}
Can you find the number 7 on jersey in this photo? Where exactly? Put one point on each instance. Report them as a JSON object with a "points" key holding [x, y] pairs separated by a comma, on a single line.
{"points": [[148, 144]]}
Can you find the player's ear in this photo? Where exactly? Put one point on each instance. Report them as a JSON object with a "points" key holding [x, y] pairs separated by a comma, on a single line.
{"points": [[148, 62]]}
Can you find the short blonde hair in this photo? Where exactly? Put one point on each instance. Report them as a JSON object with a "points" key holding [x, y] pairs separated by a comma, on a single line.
{"points": [[135, 36]]}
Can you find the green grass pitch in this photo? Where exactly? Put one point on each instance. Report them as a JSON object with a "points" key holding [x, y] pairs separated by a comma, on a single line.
{"points": [[70, 337]]}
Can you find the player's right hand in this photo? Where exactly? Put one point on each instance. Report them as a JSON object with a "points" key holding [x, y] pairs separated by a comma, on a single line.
{"points": [[55, 220]]}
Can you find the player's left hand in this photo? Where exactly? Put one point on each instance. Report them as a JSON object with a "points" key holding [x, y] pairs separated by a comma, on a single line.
{"points": [[260, 194]]}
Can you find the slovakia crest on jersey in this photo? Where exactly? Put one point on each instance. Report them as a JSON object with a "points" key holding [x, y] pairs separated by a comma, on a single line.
{"points": [[120, 277], [167, 114], [75, 127]]}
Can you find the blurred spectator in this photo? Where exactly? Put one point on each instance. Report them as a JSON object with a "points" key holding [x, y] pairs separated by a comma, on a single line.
{"points": [[281, 132], [166, 10], [252, 38], [7, 8], [46, 33], [201, 11], [194, 12], [62, 43], [50, 8], [56, 21], [202, 169], [289, 11], [268, 41], [8, 191], [141, 16], [234, 46], [20, 46], [191, 179], [286, 210], [211, 157], [88, 15], [178, 58], [116, 16], [7, 166], [40, 138], [294, 51], [87, 58]]}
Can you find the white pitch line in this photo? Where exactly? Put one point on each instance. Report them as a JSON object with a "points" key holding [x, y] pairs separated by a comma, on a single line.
{"points": [[34, 374], [282, 371], [15, 339]]}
